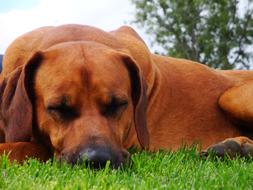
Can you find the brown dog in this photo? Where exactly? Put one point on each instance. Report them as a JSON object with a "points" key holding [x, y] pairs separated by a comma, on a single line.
{"points": [[88, 95]]}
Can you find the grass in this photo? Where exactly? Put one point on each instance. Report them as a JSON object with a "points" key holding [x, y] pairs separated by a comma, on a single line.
{"points": [[162, 170]]}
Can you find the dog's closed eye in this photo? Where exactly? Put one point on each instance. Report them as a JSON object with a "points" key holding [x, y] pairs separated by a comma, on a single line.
{"points": [[114, 107], [61, 111]]}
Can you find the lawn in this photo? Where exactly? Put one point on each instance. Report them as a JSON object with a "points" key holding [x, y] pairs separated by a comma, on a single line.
{"points": [[163, 170]]}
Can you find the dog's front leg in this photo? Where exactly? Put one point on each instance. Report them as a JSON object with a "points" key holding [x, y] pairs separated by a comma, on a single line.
{"points": [[21, 151]]}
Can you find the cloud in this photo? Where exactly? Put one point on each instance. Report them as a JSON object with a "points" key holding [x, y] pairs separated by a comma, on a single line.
{"points": [[106, 14]]}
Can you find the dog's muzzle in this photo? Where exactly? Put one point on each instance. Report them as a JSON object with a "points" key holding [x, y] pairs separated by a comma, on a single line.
{"points": [[97, 157]]}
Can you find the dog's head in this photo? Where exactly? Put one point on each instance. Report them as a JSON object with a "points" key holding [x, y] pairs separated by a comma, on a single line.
{"points": [[81, 98]]}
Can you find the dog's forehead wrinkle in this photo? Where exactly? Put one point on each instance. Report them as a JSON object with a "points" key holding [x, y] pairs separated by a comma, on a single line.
{"points": [[84, 71], [86, 77]]}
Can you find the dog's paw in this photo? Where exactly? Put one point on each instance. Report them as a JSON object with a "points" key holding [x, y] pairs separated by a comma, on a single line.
{"points": [[231, 148]]}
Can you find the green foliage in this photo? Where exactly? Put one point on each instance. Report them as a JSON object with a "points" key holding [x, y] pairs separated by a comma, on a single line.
{"points": [[183, 169], [216, 33]]}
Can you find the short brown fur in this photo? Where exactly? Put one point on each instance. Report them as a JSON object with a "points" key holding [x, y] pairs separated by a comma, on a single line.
{"points": [[170, 102]]}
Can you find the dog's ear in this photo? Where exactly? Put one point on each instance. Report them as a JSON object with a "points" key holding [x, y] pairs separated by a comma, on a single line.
{"points": [[139, 98], [16, 112]]}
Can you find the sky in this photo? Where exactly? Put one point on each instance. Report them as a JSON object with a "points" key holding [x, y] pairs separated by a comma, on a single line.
{"points": [[20, 16]]}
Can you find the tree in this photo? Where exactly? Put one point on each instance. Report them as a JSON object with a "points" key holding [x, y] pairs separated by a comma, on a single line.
{"points": [[213, 32]]}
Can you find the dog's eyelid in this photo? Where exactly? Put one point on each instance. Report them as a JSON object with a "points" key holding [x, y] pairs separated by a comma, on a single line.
{"points": [[119, 97], [62, 111], [54, 107], [115, 106], [123, 102], [118, 101], [57, 106], [58, 103]]}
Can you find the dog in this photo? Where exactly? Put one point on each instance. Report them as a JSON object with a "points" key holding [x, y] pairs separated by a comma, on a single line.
{"points": [[87, 96]]}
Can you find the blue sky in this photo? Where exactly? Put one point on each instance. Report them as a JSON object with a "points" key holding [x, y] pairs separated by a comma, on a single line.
{"points": [[7, 5], [20, 16]]}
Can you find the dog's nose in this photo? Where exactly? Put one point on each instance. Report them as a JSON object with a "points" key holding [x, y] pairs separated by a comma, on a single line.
{"points": [[97, 157]]}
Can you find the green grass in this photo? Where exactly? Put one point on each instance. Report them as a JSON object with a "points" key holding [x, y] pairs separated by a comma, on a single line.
{"points": [[163, 170]]}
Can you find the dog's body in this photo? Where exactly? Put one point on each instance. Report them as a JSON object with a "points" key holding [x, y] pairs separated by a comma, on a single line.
{"points": [[178, 101]]}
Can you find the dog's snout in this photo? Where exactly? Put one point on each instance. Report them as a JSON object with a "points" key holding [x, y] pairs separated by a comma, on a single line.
{"points": [[97, 157]]}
